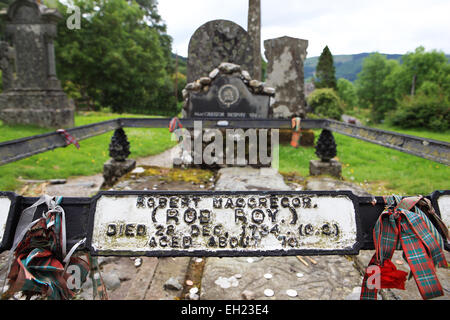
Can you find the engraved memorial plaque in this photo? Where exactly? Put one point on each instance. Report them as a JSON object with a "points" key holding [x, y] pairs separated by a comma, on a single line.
{"points": [[228, 97], [224, 224]]}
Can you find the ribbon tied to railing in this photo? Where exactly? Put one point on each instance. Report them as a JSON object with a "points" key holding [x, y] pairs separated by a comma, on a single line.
{"points": [[403, 225], [38, 262]]}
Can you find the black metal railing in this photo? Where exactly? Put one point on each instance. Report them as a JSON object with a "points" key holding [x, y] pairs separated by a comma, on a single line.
{"points": [[430, 149]]}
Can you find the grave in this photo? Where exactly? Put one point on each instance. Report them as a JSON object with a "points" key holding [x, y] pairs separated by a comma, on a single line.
{"points": [[32, 92], [228, 92]]}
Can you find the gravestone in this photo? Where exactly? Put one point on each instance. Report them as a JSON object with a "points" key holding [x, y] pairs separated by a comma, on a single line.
{"points": [[228, 92], [285, 73], [32, 93], [215, 42]]}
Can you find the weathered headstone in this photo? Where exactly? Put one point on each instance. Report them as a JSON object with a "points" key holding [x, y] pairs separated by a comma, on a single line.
{"points": [[228, 92], [32, 93], [215, 42], [254, 31], [285, 73]]}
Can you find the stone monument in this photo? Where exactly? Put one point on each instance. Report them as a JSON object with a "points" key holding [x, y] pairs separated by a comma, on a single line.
{"points": [[228, 92], [215, 42], [254, 31], [32, 93], [285, 73]]}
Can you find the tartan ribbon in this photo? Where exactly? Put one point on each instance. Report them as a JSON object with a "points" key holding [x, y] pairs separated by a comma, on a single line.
{"points": [[98, 286], [400, 228], [296, 131], [175, 124], [69, 138], [38, 263]]}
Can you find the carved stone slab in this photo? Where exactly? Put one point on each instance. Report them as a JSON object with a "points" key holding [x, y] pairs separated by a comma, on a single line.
{"points": [[285, 73], [228, 96], [224, 224], [215, 42]]}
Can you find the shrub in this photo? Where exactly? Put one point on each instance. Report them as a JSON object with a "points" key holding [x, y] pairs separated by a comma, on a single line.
{"points": [[422, 111], [325, 102]]}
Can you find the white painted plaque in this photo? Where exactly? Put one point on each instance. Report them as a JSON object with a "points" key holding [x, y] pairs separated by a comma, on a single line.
{"points": [[5, 204], [444, 208], [223, 224]]}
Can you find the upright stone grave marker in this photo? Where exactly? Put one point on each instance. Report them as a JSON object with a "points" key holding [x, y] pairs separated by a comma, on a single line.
{"points": [[215, 42], [285, 73], [254, 30], [32, 93], [228, 93]]}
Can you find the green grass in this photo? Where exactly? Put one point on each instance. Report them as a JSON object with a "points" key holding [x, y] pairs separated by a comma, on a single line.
{"points": [[380, 170], [68, 162]]}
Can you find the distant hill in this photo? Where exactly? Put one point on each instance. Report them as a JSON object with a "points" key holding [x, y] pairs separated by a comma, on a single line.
{"points": [[347, 66]]}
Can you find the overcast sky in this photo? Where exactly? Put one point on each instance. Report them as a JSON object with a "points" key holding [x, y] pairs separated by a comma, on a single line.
{"points": [[346, 26]]}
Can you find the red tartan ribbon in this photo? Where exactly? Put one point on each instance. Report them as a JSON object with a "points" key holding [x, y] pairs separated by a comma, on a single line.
{"points": [[420, 245], [296, 122], [69, 138], [175, 124]]}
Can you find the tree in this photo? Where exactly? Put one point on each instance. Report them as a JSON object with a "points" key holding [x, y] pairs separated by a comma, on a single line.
{"points": [[422, 90], [347, 92], [116, 59], [325, 102], [373, 91], [417, 68], [325, 72]]}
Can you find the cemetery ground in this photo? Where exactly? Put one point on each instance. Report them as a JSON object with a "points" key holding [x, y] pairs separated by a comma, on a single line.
{"points": [[377, 169], [367, 169]]}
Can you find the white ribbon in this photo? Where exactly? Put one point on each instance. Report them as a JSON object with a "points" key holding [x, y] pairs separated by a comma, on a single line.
{"points": [[26, 223]]}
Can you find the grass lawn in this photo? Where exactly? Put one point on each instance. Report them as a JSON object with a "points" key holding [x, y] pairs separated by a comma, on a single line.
{"points": [[68, 162], [380, 170]]}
